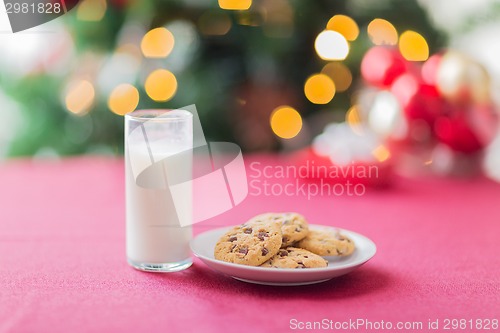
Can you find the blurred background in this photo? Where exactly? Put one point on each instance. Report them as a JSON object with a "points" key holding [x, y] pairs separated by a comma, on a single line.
{"points": [[413, 84]]}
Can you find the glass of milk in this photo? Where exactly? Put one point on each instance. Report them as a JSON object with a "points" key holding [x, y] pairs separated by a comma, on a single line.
{"points": [[158, 147]]}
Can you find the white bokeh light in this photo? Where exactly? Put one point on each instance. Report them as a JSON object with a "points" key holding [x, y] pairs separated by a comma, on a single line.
{"points": [[331, 45]]}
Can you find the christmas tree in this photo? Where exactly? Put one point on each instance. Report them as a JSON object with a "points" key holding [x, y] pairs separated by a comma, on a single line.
{"points": [[237, 60]]}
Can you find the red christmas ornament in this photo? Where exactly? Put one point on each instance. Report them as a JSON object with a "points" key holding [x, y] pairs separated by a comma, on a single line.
{"points": [[456, 133], [418, 100], [381, 66], [468, 129], [445, 100]]}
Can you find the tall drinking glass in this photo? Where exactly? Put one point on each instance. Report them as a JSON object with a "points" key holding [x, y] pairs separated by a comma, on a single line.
{"points": [[155, 239]]}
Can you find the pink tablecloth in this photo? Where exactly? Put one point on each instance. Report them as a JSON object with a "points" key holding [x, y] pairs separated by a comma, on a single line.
{"points": [[63, 268]]}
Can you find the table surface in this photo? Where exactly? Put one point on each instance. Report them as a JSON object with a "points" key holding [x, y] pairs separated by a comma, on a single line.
{"points": [[63, 268]]}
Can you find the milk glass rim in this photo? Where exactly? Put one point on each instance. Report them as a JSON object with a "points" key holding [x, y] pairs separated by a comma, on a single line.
{"points": [[159, 115]]}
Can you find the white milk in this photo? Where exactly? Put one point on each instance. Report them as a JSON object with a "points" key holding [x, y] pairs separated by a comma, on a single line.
{"points": [[153, 232]]}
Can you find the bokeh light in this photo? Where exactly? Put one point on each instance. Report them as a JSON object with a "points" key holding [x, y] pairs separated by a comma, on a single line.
{"points": [[286, 122], [340, 74], [354, 120], [345, 26], [331, 45], [382, 32], [413, 46], [381, 153], [430, 69], [405, 87], [386, 117], [157, 43], [161, 85], [382, 65], [91, 10], [80, 97], [214, 23], [235, 4], [123, 99], [461, 79], [319, 89], [352, 117]]}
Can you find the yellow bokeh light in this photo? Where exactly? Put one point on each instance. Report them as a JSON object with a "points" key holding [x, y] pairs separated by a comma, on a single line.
{"points": [[353, 119], [157, 43], [212, 23], [319, 89], [340, 74], [413, 46], [381, 153], [91, 10], [161, 85], [286, 122], [345, 26], [331, 45], [235, 4], [382, 32], [123, 99], [352, 116], [80, 97]]}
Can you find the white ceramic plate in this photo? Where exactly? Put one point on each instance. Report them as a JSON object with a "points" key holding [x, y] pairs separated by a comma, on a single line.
{"points": [[203, 247]]}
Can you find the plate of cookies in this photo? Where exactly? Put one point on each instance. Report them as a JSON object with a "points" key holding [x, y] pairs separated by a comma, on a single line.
{"points": [[282, 249]]}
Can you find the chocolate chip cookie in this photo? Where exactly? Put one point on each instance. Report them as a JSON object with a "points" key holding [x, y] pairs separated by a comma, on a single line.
{"points": [[292, 257], [251, 243], [327, 243], [294, 227]]}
